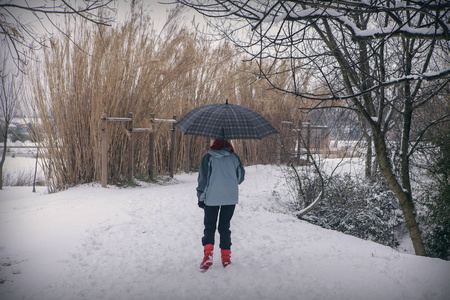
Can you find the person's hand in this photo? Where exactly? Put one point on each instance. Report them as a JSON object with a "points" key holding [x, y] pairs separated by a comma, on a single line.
{"points": [[201, 204]]}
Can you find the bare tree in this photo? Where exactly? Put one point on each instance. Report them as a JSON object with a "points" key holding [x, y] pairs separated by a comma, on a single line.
{"points": [[25, 25], [385, 60], [9, 102]]}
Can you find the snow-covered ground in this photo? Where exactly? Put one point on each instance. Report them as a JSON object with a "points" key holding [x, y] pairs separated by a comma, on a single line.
{"points": [[21, 170], [20, 164], [145, 243], [18, 148]]}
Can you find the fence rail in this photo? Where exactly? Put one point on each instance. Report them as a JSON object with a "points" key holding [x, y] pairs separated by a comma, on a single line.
{"points": [[151, 140], [20, 147]]}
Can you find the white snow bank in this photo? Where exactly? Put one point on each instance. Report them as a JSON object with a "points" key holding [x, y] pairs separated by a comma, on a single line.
{"points": [[145, 243], [21, 164]]}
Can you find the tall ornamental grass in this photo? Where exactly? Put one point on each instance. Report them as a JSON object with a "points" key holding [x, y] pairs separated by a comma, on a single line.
{"points": [[132, 68]]}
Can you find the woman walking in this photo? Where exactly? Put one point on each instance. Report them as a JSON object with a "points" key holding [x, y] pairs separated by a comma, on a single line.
{"points": [[220, 173]]}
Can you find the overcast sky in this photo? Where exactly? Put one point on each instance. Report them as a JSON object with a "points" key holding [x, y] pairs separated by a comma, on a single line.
{"points": [[158, 10]]}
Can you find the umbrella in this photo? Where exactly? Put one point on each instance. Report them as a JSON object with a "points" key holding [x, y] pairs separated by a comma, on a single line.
{"points": [[225, 122]]}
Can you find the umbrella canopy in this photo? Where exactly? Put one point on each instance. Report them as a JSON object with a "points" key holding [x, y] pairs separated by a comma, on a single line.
{"points": [[223, 121]]}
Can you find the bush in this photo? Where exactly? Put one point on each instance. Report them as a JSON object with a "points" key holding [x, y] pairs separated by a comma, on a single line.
{"points": [[437, 220], [356, 207], [18, 134], [436, 197]]}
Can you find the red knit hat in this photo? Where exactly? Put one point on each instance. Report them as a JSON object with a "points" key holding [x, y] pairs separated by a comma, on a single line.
{"points": [[220, 144]]}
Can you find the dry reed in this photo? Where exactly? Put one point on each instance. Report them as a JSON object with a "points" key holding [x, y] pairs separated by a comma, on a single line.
{"points": [[131, 68]]}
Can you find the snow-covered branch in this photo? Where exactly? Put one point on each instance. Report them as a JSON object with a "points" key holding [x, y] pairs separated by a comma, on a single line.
{"points": [[422, 19], [25, 25]]}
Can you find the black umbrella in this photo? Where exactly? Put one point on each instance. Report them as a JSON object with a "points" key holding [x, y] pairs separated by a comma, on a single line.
{"points": [[225, 122]]}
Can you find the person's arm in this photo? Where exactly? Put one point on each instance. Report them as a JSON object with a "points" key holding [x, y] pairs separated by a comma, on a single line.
{"points": [[240, 171], [202, 176]]}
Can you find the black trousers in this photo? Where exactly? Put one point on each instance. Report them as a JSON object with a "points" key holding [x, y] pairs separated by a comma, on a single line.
{"points": [[210, 221]]}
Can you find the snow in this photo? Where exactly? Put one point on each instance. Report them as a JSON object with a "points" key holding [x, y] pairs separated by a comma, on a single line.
{"points": [[21, 166], [145, 243], [19, 148], [300, 12]]}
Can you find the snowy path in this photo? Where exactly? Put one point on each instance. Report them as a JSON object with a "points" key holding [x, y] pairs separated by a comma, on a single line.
{"points": [[144, 243]]}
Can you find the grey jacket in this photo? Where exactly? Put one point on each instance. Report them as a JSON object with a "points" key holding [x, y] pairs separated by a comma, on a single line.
{"points": [[220, 173]]}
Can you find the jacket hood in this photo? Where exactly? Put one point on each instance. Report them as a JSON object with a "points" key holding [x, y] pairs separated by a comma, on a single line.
{"points": [[219, 153]]}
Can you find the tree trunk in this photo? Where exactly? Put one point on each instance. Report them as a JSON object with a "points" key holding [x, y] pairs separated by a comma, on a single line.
{"points": [[2, 162], [1, 174], [369, 150], [368, 167], [403, 196]]}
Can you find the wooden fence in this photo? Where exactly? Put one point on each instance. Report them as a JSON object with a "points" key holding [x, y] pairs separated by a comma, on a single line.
{"points": [[131, 132]]}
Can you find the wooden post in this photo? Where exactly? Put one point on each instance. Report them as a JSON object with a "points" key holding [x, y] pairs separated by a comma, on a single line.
{"points": [[131, 149], [278, 159], [324, 142], [172, 151], [104, 150], [299, 140], [35, 170], [151, 149], [308, 138], [187, 158]]}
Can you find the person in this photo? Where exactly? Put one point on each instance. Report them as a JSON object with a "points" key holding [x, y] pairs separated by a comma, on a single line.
{"points": [[220, 173]]}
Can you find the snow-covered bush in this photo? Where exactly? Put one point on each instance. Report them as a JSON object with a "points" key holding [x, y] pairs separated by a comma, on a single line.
{"points": [[18, 134], [435, 196], [355, 206]]}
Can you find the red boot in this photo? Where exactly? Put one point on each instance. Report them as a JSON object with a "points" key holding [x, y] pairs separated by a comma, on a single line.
{"points": [[208, 258], [226, 257]]}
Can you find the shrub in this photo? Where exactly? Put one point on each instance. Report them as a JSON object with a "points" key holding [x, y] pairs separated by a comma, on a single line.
{"points": [[18, 134], [354, 206], [436, 197]]}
